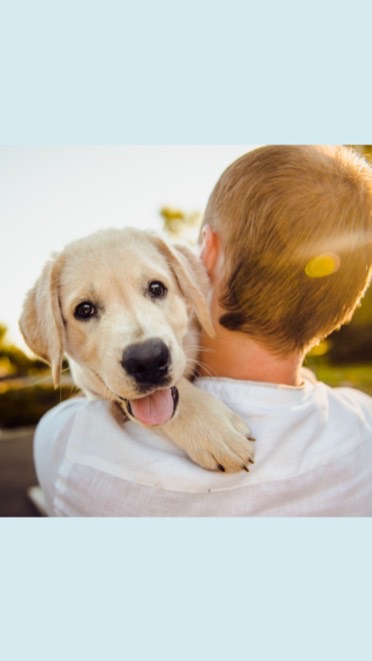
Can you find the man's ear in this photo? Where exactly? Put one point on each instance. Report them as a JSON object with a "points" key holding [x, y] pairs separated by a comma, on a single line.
{"points": [[41, 322], [210, 250]]}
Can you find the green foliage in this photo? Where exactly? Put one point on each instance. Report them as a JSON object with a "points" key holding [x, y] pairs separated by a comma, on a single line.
{"points": [[26, 390], [364, 150], [22, 404], [354, 376], [13, 361], [3, 332], [353, 342], [178, 223]]}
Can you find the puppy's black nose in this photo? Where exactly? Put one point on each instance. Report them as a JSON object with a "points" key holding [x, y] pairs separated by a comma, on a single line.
{"points": [[147, 362]]}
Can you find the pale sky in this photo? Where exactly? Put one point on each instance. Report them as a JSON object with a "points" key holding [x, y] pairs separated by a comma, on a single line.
{"points": [[51, 195]]}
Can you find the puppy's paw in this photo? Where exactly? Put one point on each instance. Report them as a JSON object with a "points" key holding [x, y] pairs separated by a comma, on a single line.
{"points": [[209, 432], [226, 444]]}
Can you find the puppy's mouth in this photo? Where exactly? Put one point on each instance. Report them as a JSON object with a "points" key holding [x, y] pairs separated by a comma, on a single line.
{"points": [[155, 409]]}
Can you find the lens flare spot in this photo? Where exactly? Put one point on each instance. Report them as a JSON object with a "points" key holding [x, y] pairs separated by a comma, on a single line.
{"points": [[322, 265]]}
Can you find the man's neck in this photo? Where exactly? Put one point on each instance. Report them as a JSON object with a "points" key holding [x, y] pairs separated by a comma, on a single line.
{"points": [[237, 356]]}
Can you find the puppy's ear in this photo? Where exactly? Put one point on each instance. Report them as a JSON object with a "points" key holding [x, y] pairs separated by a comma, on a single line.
{"points": [[41, 322], [192, 279]]}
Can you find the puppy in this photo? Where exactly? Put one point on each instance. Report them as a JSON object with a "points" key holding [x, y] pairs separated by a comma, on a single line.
{"points": [[125, 306]]}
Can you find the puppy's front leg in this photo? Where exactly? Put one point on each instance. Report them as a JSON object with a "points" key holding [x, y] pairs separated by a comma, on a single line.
{"points": [[209, 432]]}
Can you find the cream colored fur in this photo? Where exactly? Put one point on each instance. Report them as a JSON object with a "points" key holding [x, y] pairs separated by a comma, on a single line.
{"points": [[113, 268]]}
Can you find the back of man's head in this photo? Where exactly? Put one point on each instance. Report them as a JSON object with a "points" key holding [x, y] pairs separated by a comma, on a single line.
{"points": [[295, 224]]}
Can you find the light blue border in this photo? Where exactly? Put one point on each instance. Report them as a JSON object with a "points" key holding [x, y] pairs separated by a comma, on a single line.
{"points": [[116, 72], [182, 589]]}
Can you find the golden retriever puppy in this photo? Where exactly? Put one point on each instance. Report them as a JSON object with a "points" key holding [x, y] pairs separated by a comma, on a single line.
{"points": [[125, 306]]}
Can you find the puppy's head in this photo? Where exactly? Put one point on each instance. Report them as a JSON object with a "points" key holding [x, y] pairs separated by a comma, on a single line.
{"points": [[119, 304]]}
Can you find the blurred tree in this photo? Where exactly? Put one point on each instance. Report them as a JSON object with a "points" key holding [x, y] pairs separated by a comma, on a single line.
{"points": [[3, 332], [178, 223], [364, 150], [26, 389], [353, 342], [13, 362]]}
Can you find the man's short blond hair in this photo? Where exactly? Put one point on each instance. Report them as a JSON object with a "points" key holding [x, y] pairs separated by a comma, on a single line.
{"points": [[295, 223]]}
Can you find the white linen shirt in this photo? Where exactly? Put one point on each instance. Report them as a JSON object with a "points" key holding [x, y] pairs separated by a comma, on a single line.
{"points": [[313, 458]]}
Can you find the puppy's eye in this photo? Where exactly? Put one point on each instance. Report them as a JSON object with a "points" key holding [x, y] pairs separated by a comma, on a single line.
{"points": [[157, 289], [85, 310]]}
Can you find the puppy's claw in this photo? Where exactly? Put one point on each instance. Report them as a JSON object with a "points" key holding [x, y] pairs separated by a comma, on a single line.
{"points": [[245, 468], [251, 438], [221, 468]]}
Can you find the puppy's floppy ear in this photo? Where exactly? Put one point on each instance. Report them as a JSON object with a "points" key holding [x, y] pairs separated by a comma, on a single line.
{"points": [[192, 279], [41, 322]]}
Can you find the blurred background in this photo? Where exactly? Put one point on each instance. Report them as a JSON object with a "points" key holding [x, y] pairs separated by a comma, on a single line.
{"points": [[52, 195]]}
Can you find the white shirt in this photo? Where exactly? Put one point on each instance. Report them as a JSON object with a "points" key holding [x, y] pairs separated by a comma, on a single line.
{"points": [[313, 458]]}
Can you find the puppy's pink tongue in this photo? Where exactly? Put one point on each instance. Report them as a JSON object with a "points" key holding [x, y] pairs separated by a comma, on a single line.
{"points": [[154, 409]]}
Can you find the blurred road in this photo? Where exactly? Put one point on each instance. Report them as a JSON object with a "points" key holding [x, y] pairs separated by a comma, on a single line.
{"points": [[17, 472]]}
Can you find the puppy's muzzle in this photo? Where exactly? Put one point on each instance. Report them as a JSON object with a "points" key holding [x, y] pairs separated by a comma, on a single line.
{"points": [[148, 363]]}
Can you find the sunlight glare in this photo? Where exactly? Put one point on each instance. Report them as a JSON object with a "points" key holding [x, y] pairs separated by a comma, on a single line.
{"points": [[321, 266]]}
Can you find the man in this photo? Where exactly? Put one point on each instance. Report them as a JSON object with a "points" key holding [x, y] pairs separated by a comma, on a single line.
{"points": [[287, 243]]}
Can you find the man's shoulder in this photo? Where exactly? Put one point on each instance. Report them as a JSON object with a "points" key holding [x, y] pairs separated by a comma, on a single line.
{"points": [[63, 413], [351, 399]]}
